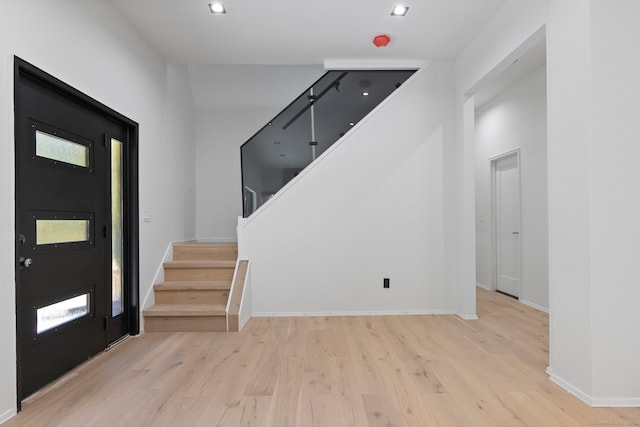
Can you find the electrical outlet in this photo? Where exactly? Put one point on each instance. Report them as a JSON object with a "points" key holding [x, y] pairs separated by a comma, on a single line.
{"points": [[385, 283]]}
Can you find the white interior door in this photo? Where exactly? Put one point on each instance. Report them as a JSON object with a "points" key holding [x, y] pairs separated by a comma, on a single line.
{"points": [[507, 225]]}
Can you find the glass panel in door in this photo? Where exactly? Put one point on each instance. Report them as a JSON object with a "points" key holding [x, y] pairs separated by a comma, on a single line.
{"points": [[117, 280]]}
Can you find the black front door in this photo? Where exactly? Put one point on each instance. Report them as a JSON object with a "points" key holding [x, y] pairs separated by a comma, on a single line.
{"points": [[72, 296]]}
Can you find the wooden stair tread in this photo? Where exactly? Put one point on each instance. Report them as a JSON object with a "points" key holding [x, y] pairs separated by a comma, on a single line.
{"points": [[195, 292], [213, 285], [204, 243], [200, 264], [185, 310], [204, 251]]}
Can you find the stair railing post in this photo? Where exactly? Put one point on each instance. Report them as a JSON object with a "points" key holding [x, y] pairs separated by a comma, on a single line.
{"points": [[313, 142]]}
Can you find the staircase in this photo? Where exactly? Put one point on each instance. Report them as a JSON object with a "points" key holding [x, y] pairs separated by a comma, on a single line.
{"points": [[196, 289]]}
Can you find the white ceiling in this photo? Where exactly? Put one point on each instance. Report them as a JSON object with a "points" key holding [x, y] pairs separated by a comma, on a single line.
{"points": [[525, 64], [305, 31]]}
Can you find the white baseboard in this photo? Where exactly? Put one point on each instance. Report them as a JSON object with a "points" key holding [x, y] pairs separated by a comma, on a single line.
{"points": [[534, 305], [607, 402], [569, 387], [8, 414], [467, 316], [218, 240], [483, 286], [159, 277], [524, 301], [595, 402], [244, 314], [350, 313]]}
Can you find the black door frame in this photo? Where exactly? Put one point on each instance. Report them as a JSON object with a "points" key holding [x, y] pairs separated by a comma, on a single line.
{"points": [[131, 226]]}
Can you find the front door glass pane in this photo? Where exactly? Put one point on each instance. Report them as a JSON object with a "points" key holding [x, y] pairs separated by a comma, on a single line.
{"points": [[117, 306], [62, 312], [53, 231], [62, 150]]}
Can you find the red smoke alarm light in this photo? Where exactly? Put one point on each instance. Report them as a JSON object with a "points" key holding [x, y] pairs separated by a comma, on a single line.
{"points": [[381, 40]]}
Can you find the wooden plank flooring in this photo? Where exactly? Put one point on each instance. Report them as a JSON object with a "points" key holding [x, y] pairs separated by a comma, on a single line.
{"points": [[328, 371]]}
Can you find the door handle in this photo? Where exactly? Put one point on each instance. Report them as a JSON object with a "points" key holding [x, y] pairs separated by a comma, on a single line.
{"points": [[25, 262], [515, 232]]}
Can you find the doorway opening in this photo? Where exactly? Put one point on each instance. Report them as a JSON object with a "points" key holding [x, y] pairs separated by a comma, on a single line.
{"points": [[510, 139], [76, 227]]}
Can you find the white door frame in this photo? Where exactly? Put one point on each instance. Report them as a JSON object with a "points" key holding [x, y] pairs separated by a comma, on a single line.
{"points": [[494, 217]]}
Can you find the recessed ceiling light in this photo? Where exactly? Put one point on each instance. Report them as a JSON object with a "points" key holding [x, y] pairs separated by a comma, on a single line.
{"points": [[352, 124], [365, 93], [399, 11], [217, 8]]}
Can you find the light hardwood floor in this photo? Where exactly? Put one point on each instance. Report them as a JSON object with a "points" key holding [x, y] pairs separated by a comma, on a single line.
{"points": [[329, 371]]}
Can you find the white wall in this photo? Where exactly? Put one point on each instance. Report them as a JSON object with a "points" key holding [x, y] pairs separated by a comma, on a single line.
{"points": [[219, 135], [7, 232], [615, 203], [238, 86], [371, 207], [178, 154], [234, 102], [89, 46], [516, 118], [570, 298], [481, 60], [592, 112]]}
